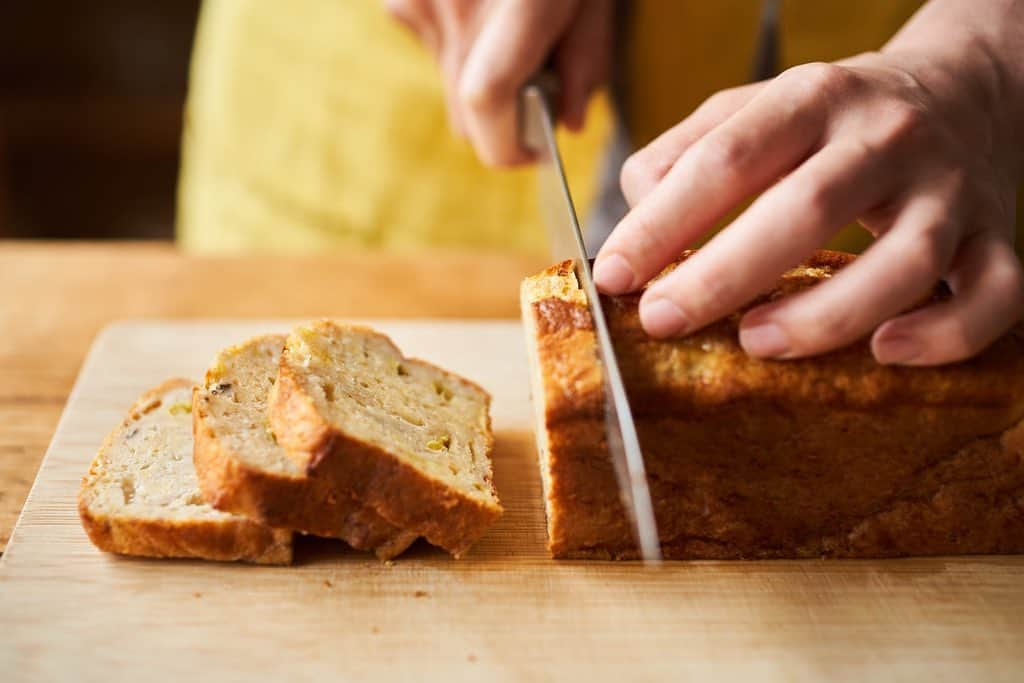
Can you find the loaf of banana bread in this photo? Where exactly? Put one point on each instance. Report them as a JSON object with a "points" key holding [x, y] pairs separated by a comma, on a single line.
{"points": [[835, 456]]}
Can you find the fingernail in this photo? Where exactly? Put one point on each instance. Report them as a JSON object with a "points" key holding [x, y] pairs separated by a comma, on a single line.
{"points": [[662, 318], [896, 350], [765, 340], [613, 275]]}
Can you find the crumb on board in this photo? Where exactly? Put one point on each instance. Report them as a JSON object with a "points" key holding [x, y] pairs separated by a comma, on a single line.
{"points": [[471, 658], [197, 594], [328, 584], [420, 594], [389, 563], [374, 630]]}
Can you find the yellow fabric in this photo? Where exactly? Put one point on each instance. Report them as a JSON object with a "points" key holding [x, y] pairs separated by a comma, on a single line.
{"points": [[319, 124]]}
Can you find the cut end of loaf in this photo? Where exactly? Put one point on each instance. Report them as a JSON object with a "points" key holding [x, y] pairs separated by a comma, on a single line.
{"points": [[749, 458]]}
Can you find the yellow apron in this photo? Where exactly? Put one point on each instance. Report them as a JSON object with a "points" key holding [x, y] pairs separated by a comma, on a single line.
{"points": [[319, 124]]}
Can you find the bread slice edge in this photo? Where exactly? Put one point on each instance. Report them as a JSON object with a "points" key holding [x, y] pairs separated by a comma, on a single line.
{"points": [[230, 539], [400, 493]]}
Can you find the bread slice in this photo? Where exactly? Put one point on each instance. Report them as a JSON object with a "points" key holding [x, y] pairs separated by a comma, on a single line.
{"points": [[833, 456], [141, 496], [408, 438], [242, 468]]}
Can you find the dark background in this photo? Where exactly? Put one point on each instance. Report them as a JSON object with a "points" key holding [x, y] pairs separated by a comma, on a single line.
{"points": [[91, 98]]}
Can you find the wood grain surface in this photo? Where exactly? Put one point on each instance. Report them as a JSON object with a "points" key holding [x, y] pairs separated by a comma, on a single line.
{"points": [[54, 297], [504, 613]]}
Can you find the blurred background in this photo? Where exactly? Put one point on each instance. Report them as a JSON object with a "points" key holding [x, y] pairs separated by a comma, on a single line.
{"points": [[91, 97], [320, 125], [92, 100]]}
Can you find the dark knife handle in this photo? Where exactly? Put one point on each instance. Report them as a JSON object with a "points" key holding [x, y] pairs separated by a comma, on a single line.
{"points": [[550, 85], [545, 87]]}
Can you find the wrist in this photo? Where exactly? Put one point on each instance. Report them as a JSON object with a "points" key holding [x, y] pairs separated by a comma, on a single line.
{"points": [[980, 76]]}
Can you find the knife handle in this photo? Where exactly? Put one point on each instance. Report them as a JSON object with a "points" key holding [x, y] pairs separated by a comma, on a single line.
{"points": [[541, 91], [546, 80]]}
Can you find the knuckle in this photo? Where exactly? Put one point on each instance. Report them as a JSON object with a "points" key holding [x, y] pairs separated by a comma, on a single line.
{"points": [[902, 121], [927, 256], [639, 173], [1007, 281], [813, 202], [646, 232], [634, 170], [485, 95], [718, 99], [816, 78], [723, 154], [712, 292]]}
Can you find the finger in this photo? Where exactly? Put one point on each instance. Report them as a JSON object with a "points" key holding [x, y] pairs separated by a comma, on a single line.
{"points": [[751, 150], [895, 273], [459, 23], [786, 224], [515, 39], [645, 168], [582, 61], [988, 296], [417, 16]]}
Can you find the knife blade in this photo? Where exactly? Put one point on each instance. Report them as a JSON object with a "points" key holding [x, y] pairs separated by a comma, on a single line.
{"points": [[538, 135]]}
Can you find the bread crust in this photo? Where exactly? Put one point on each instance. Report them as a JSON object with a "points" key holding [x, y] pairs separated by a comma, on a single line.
{"points": [[224, 539], [308, 504], [834, 456], [397, 491]]}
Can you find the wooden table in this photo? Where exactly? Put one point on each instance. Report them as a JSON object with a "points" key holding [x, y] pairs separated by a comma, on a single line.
{"points": [[507, 612], [56, 296]]}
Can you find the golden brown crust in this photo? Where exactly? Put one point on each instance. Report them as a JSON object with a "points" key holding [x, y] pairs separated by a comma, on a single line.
{"points": [[663, 370], [306, 504], [227, 541], [397, 491], [303, 504], [835, 456], [211, 539]]}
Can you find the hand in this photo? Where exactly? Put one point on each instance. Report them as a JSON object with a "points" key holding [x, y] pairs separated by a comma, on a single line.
{"points": [[488, 49], [908, 148]]}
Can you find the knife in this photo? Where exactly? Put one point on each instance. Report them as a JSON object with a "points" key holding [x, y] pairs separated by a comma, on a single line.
{"points": [[538, 136]]}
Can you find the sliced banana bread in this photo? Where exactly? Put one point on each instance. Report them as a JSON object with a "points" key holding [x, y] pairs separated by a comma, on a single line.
{"points": [[141, 496], [406, 437], [242, 468]]}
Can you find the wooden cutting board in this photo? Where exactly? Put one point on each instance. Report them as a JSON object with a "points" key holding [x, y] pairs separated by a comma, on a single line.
{"points": [[506, 612]]}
